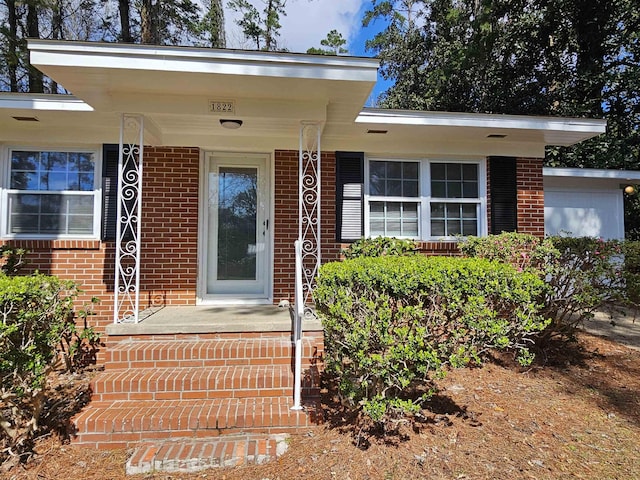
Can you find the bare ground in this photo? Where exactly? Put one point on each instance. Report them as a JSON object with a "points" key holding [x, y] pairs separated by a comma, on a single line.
{"points": [[576, 416]]}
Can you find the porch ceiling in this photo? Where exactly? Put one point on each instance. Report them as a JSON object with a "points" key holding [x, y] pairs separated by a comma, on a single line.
{"points": [[172, 87]]}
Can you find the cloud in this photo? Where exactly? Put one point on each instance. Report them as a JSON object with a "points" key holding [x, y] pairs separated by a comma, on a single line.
{"points": [[306, 23]]}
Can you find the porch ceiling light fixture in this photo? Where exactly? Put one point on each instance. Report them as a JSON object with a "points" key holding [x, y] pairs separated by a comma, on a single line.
{"points": [[629, 189], [230, 124]]}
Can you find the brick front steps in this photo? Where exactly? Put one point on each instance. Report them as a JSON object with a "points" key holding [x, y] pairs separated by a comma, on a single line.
{"points": [[161, 387]]}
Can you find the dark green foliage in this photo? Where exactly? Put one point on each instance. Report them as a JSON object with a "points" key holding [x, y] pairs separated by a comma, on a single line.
{"points": [[392, 323], [380, 246]]}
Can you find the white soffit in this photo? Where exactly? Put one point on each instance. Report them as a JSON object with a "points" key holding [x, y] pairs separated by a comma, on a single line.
{"points": [[618, 175], [512, 128]]}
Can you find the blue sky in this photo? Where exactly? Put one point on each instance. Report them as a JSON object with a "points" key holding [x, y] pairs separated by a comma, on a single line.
{"points": [[308, 21]]}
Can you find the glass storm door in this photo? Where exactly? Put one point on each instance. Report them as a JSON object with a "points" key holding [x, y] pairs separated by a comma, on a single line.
{"points": [[237, 230]]}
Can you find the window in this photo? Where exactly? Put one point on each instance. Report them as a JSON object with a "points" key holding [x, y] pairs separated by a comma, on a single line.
{"points": [[424, 199], [52, 194]]}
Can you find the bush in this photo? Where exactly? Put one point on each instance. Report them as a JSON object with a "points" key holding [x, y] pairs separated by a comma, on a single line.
{"points": [[631, 252], [392, 323], [379, 247], [583, 274], [12, 259], [37, 313], [523, 251]]}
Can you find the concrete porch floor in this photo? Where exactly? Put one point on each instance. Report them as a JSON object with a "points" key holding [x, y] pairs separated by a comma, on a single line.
{"points": [[212, 319]]}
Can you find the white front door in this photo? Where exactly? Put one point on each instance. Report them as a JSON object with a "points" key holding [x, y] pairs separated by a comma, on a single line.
{"points": [[237, 246]]}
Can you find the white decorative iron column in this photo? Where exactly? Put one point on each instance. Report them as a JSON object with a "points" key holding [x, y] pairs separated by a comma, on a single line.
{"points": [[128, 219], [307, 247], [309, 206]]}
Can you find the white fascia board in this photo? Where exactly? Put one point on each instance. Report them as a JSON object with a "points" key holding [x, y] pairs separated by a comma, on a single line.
{"points": [[201, 60], [591, 173], [28, 101], [480, 120]]}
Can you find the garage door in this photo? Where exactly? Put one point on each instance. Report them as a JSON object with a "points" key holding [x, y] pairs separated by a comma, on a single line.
{"points": [[577, 213]]}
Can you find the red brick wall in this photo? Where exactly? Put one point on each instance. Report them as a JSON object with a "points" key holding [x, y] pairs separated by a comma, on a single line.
{"points": [[169, 263], [530, 196], [286, 218]]}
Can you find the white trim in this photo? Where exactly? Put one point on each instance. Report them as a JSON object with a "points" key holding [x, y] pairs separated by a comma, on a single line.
{"points": [[481, 120], [591, 173], [201, 60], [41, 101], [424, 198], [5, 191]]}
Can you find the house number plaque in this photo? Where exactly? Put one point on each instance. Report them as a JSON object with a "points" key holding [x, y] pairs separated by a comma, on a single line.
{"points": [[222, 106]]}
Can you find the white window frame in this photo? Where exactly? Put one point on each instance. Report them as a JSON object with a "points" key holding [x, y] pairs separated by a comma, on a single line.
{"points": [[6, 191], [424, 198]]}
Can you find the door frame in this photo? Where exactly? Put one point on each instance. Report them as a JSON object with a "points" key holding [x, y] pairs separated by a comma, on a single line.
{"points": [[202, 297]]}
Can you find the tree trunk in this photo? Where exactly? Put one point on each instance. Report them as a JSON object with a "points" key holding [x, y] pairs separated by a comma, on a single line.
{"points": [[149, 22], [12, 44], [124, 9], [36, 79]]}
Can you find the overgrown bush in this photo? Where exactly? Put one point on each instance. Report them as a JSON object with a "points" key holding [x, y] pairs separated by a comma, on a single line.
{"points": [[12, 259], [379, 247], [631, 251], [37, 315], [392, 323], [583, 274]]}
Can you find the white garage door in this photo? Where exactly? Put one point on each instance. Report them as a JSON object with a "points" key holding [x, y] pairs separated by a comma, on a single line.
{"points": [[578, 213]]}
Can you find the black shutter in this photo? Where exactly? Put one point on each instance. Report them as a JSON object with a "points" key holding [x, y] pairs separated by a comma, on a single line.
{"points": [[504, 194], [110, 155], [349, 196]]}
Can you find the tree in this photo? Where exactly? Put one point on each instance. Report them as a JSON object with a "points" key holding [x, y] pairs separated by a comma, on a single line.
{"points": [[264, 29], [545, 57], [334, 41], [211, 26]]}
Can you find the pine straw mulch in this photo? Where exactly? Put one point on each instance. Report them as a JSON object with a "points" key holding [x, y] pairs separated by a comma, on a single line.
{"points": [[576, 417]]}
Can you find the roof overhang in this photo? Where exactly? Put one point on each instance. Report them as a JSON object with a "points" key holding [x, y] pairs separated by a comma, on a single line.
{"points": [[173, 86], [272, 93], [590, 178], [479, 134]]}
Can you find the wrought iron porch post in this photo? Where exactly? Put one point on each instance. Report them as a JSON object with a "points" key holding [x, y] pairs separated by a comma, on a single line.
{"points": [[129, 216], [309, 205]]}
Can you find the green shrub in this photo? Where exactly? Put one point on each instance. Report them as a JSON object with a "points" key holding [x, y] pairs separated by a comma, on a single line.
{"points": [[379, 247], [523, 251], [37, 313], [392, 323], [631, 252], [12, 259], [586, 275], [583, 274]]}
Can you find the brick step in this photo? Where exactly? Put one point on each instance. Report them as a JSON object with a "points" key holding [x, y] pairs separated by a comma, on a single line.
{"points": [[200, 383], [124, 423], [192, 455], [207, 352]]}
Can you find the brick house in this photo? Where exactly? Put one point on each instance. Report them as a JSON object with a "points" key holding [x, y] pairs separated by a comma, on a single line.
{"points": [[225, 159]]}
